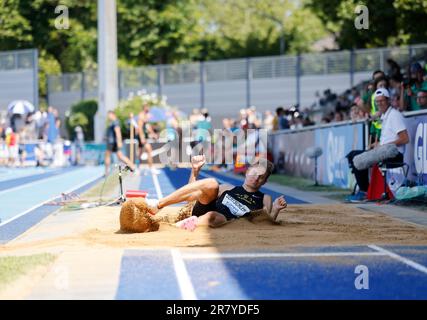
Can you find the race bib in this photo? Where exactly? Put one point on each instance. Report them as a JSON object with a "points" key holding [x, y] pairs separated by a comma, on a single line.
{"points": [[235, 207]]}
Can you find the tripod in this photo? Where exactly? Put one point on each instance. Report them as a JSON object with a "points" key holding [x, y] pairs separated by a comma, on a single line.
{"points": [[122, 197]]}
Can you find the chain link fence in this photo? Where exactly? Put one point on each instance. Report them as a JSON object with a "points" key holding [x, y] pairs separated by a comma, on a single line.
{"points": [[19, 77], [278, 80]]}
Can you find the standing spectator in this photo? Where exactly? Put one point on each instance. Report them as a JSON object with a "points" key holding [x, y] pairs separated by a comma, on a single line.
{"points": [[268, 121], [52, 125], [12, 146], [114, 143], [281, 122], [144, 130], [79, 140]]}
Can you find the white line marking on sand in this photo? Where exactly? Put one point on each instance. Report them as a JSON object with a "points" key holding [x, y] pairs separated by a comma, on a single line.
{"points": [[184, 281], [277, 255], [393, 255], [49, 200]]}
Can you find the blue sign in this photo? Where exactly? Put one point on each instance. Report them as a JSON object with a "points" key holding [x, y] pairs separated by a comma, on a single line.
{"points": [[336, 143]]}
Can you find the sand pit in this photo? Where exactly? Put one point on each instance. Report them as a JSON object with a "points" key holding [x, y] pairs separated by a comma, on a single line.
{"points": [[302, 225]]}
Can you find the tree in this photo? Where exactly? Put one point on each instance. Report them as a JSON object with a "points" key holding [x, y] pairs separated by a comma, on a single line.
{"points": [[157, 32], [15, 30], [395, 22]]}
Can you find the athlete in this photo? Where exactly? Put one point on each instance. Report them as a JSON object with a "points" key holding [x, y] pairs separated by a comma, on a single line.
{"points": [[216, 204], [114, 143]]}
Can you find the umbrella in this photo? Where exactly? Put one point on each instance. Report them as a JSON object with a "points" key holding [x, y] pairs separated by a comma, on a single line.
{"points": [[157, 114], [20, 107]]}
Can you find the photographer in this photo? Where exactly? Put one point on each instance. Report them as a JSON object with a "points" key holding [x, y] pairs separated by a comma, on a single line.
{"points": [[411, 86]]}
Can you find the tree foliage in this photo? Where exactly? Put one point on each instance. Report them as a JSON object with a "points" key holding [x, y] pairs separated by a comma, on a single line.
{"points": [[172, 31], [391, 22]]}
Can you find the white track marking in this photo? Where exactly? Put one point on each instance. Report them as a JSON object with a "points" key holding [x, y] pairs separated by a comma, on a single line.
{"points": [[277, 255], [49, 200], [393, 255], [184, 282], [32, 183], [157, 185]]}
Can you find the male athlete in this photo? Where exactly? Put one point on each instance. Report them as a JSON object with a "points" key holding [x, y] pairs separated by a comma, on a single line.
{"points": [[216, 204]]}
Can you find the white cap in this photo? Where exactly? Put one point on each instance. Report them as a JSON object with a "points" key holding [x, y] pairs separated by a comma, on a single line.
{"points": [[382, 92]]}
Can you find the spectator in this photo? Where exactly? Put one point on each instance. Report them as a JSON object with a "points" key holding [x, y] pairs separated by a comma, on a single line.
{"points": [[394, 132], [114, 143], [268, 121], [52, 125], [79, 144], [394, 69], [338, 117], [281, 121], [411, 87], [422, 99]]}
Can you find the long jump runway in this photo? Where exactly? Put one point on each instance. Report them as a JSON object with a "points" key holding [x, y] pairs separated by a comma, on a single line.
{"points": [[352, 273], [25, 192]]}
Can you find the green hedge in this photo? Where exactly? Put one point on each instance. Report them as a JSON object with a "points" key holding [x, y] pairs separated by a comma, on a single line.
{"points": [[82, 114]]}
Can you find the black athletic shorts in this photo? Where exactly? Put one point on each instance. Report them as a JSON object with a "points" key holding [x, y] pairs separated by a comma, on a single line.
{"points": [[112, 147], [200, 209]]}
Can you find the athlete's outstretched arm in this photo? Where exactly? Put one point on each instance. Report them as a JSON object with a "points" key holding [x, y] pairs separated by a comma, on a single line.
{"points": [[197, 163], [273, 208]]}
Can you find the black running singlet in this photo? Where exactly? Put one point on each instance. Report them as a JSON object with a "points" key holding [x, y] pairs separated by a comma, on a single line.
{"points": [[238, 202]]}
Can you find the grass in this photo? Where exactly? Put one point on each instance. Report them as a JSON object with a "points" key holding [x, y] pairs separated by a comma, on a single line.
{"points": [[100, 192], [105, 187], [327, 191], [304, 184], [11, 267]]}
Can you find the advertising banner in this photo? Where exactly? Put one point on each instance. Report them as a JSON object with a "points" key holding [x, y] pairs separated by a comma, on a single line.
{"points": [[336, 142]]}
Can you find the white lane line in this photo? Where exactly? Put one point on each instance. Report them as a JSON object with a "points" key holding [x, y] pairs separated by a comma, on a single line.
{"points": [[51, 199], [184, 282], [32, 183], [157, 185], [277, 255], [393, 255]]}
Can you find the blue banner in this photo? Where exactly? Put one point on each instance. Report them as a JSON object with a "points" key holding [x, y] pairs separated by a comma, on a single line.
{"points": [[336, 143], [416, 149]]}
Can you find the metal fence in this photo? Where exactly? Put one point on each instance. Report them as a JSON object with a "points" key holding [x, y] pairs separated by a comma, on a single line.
{"points": [[18, 77], [243, 82]]}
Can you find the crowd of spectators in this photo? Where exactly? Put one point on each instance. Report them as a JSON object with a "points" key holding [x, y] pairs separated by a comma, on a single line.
{"points": [[408, 91], [30, 136]]}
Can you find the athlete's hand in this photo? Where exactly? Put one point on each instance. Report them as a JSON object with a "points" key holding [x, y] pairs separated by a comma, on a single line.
{"points": [[280, 203], [197, 162]]}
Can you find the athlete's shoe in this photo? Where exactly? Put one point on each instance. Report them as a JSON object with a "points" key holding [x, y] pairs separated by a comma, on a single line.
{"points": [[152, 204], [358, 197]]}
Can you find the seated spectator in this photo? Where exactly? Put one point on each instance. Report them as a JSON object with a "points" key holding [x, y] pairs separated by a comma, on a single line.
{"points": [[394, 69], [338, 117], [393, 131], [411, 87], [422, 99]]}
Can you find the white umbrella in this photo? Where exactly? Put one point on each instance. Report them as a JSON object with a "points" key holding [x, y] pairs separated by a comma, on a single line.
{"points": [[20, 107]]}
